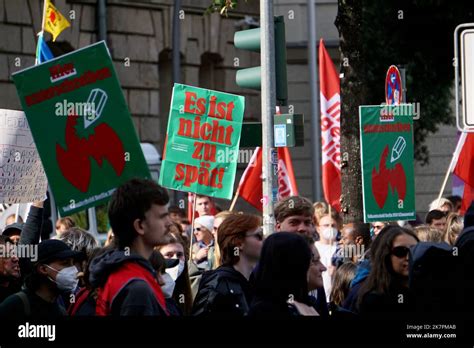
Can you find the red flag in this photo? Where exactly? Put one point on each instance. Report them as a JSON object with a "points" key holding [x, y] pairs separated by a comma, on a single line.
{"points": [[463, 166], [286, 176], [464, 158], [468, 197], [330, 128], [250, 186], [190, 206]]}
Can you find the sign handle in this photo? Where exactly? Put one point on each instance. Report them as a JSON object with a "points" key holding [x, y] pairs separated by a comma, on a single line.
{"points": [[192, 231], [234, 200]]}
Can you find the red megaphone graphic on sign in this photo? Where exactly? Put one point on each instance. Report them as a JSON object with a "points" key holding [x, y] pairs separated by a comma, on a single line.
{"points": [[381, 180], [74, 161]]}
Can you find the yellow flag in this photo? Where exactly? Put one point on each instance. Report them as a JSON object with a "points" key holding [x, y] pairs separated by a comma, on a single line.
{"points": [[54, 21]]}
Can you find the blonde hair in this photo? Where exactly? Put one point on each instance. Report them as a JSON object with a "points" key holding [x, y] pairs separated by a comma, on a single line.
{"points": [[429, 234], [454, 226], [334, 215], [438, 204], [320, 209]]}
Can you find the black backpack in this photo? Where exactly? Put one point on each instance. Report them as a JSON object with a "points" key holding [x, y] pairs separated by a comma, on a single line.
{"points": [[432, 274], [465, 270]]}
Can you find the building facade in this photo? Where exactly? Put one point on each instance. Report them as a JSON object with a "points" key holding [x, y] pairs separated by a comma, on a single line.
{"points": [[139, 36]]}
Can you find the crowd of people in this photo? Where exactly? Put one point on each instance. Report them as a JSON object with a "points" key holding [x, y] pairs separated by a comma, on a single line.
{"points": [[152, 264]]}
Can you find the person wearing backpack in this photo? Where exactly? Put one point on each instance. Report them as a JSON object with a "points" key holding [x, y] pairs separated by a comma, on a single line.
{"points": [[52, 273], [126, 281]]}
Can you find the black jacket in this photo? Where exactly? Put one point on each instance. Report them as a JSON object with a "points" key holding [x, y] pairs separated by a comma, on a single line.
{"points": [[464, 275], [13, 287], [398, 302], [15, 309], [223, 292], [135, 298], [30, 235]]}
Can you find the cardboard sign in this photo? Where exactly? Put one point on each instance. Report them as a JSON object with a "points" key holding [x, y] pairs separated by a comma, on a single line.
{"points": [[22, 178]]}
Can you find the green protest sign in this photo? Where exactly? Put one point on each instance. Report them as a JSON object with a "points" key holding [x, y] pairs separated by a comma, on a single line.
{"points": [[202, 141], [81, 127], [388, 178]]}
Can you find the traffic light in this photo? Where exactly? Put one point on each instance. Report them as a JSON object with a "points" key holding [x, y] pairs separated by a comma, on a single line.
{"points": [[251, 77]]}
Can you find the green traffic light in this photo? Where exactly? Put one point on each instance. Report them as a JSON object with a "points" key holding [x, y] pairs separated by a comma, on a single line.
{"points": [[251, 77]]}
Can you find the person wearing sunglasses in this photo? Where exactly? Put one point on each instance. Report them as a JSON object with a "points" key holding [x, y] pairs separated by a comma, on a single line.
{"points": [[386, 288], [377, 227], [204, 240], [226, 291]]}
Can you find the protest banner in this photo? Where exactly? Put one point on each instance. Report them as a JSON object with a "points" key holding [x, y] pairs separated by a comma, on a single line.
{"points": [[388, 180], [202, 143], [22, 178], [81, 126]]}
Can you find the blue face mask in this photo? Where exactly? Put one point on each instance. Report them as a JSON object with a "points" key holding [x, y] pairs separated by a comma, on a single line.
{"points": [[372, 233]]}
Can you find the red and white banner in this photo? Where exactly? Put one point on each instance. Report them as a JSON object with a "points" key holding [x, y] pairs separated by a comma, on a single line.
{"points": [[250, 186], [286, 175], [330, 128]]}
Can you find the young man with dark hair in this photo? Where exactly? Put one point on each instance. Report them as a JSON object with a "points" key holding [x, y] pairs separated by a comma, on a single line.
{"points": [[226, 291], [125, 279], [436, 219], [295, 214], [204, 205]]}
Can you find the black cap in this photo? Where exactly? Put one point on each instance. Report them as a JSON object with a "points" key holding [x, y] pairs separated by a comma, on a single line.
{"points": [[170, 263], [53, 249], [13, 229]]}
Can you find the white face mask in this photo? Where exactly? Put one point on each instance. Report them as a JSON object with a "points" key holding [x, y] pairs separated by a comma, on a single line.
{"points": [[168, 286], [66, 279], [329, 233], [176, 271]]}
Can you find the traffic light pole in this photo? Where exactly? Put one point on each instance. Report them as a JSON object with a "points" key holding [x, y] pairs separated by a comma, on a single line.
{"points": [[315, 113], [269, 158]]}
